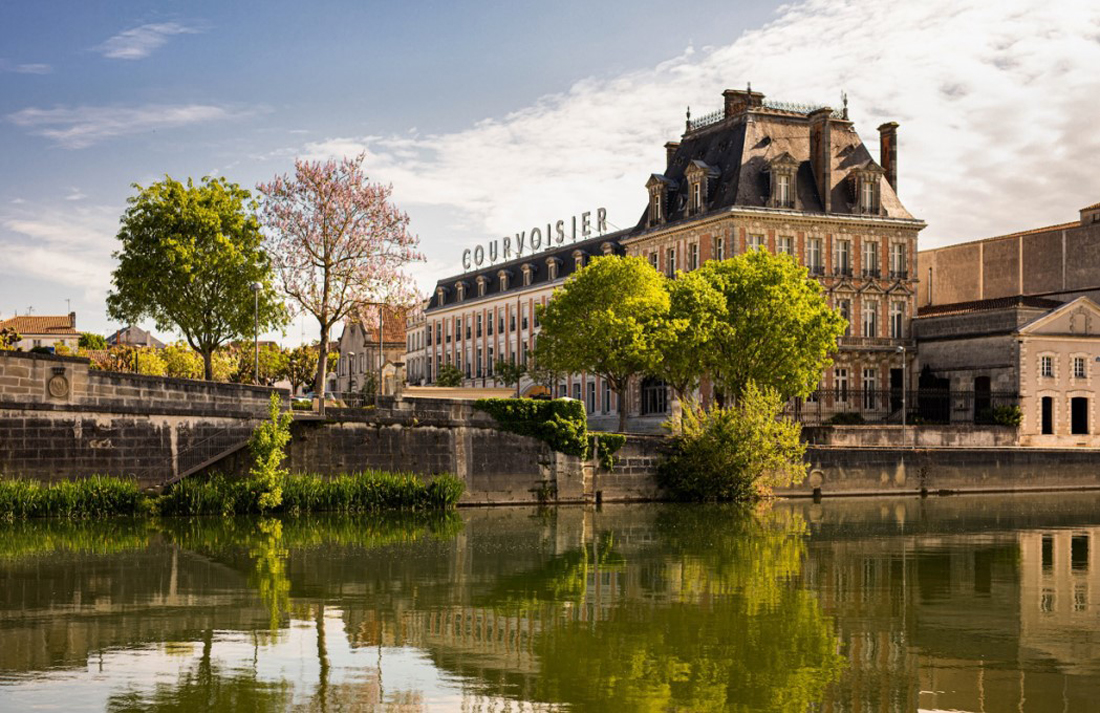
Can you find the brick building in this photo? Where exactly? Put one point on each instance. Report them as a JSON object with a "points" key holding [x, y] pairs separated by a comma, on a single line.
{"points": [[756, 174]]}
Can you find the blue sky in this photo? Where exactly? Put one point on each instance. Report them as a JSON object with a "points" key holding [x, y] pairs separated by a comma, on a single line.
{"points": [[492, 117]]}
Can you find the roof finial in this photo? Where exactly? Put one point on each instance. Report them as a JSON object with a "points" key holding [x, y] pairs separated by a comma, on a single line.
{"points": [[844, 99], [687, 124], [750, 87]]}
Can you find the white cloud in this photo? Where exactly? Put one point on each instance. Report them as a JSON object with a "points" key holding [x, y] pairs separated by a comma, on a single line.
{"points": [[6, 66], [139, 42], [83, 126], [69, 246], [75, 194], [996, 103]]}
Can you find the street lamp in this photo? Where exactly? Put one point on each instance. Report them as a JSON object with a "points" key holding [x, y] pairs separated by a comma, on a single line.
{"points": [[256, 287], [901, 351]]}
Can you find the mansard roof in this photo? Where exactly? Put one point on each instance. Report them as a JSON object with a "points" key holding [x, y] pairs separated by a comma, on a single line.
{"points": [[536, 262], [745, 140]]}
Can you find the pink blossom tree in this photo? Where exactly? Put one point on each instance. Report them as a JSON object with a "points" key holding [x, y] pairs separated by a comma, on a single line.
{"points": [[337, 243]]}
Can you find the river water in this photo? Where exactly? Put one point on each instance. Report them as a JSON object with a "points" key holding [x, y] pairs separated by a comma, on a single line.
{"points": [[976, 603]]}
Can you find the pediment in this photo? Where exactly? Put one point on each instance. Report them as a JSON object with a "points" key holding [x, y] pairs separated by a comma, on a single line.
{"points": [[871, 288], [784, 159], [1079, 318], [898, 288], [843, 286]]}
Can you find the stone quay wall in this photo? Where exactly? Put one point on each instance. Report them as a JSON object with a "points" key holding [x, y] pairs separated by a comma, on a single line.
{"points": [[60, 419]]}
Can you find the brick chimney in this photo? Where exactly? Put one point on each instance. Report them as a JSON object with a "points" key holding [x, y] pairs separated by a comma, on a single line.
{"points": [[888, 152], [738, 101], [72, 319], [821, 154], [670, 151]]}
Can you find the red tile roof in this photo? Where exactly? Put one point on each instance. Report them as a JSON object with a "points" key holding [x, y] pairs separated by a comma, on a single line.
{"points": [[45, 324]]}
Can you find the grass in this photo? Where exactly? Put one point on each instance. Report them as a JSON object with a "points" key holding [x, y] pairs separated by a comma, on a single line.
{"points": [[102, 496]]}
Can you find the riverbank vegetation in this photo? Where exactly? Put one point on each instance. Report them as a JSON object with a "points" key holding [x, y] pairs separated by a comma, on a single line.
{"points": [[561, 423], [101, 496]]}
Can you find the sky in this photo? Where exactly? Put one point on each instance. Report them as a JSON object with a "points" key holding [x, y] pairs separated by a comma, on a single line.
{"points": [[489, 118]]}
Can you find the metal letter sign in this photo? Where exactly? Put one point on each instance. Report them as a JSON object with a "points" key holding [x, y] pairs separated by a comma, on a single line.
{"points": [[531, 241]]}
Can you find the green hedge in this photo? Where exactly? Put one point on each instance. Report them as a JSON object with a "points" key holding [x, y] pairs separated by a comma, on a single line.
{"points": [[562, 424]]}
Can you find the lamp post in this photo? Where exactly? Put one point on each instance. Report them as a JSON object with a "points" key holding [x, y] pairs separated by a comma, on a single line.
{"points": [[901, 351], [256, 287], [350, 363]]}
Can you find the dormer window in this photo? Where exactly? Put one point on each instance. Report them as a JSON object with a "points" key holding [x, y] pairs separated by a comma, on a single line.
{"points": [[440, 296], [552, 268], [528, 271], [658, 187], [867, 179], [503, 275], [578, 259], [608, 248], [460, 290], [782, 169], [699, 176], [482, 282]]}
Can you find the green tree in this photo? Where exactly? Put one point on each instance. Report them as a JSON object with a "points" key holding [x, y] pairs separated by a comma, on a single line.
{"points": [[267, 444], [449, 375], [273, 365], [182, 362], [90, 340], [9, 338], [603, 321], [737, 453], [301, 366], [776, 329], [189, 257], [684, 336], [509, 373]]}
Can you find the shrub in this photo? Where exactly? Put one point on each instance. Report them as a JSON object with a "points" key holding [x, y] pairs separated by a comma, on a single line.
{"points": [[737, 453], [846, 418], [267, 444], [1003, 416], [449, 375], [608, 445]]}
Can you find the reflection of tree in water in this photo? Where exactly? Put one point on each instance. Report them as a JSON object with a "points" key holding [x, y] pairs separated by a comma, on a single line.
{"points": [[268, 576], [562, 579], [734, 630]]}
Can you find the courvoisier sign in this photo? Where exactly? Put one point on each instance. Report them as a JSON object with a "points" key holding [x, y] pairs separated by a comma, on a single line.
{"points": [[535, 240]]}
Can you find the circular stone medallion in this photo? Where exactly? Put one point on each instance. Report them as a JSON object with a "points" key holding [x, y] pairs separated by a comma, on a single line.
{"points": [[58, 386]]}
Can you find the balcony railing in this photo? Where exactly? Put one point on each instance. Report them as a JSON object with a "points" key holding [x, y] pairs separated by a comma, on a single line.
{"points": [[842, 271], [922, 406], [874, 273], [816, 270], [875, 343], [899, 274]]}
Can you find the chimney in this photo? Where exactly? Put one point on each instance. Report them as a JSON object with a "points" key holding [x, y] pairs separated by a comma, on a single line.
{"points": [[821, 154], [888, 152], [72, 319], [670, 150], [738, 101]]}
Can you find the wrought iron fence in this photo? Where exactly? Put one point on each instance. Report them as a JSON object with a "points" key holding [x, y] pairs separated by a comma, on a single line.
{"points": [[923, 406]]}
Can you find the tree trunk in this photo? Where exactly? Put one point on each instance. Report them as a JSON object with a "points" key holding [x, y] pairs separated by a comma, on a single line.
{"points": [[208, 365], [622, 408], [322, 369]]}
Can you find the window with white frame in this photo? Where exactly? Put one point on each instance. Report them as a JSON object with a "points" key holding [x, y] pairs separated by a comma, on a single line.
{"points": [[870, 258], [693, 256], [870, 384], [844, 306], [756, 242], [786, 245], [1080, 368], [813, 256], [842, 384], [870, 319], [552, 269], [843, 257], [696, 196], [897, 320], [898, 269], [719, 248], [670, 262], [653, 257], [1046, 366], [783, 189], [481, 287], [526, 275], [606, 397], [868, 202]]}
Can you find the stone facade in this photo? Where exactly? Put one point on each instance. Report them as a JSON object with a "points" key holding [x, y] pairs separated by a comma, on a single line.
{"points": [[1034, 348], [1059, 261], [360, 358]]}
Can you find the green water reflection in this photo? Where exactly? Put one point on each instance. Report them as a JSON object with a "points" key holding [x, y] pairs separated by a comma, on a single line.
{"points": [[970, 604]]}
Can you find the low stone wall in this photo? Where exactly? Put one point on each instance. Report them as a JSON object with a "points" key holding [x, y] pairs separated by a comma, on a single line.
{"points": [[60, 419], [633, 477], [890, 436], [879, 471]]}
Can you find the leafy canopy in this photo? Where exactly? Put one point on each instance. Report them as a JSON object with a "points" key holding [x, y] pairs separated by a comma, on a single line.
{"points": [[603, 321], [776, 329], [189, 257]]}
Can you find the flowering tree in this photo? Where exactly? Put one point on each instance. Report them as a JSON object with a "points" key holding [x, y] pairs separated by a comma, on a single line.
{"points": [[337, 244]]}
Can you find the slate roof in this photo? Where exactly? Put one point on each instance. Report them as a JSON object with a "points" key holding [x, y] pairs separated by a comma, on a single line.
{"points": [[134, 336], [990, 304], [29, 325], [540, 276], [740, 148]]}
